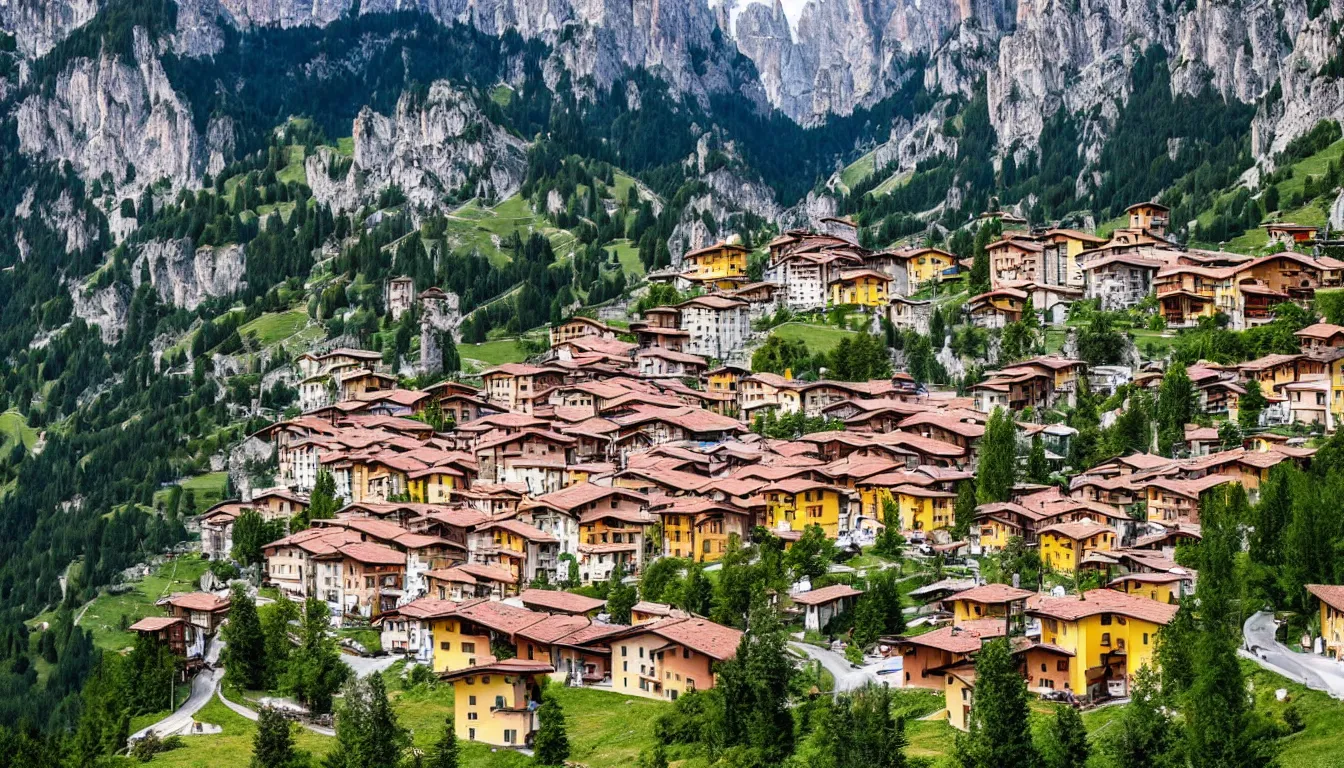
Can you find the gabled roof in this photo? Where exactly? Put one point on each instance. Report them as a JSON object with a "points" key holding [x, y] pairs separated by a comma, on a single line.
{"points": [[826, 595], [560, 602], [993, 594], [1098, 601], [700, 635]]}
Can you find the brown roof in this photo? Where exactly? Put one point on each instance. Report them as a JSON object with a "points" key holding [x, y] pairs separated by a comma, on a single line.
{"points": [[500, 617], [1330, 594], [198, 601], [1077, 530], [373, 554], [561, 602], [826, 594], [579, 494], [505, 667], [154, 623], [701, 635], [554, 627], [993, 594], [1096, 601], [963, 638]]}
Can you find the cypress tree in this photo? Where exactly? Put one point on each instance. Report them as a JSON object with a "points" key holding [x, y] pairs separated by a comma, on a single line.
{"points": [[273, 743], [1065, 744], [621, 597], [963, 514], [998, 459], [245, 645], [445, 752], [1175, 407], [999, 733], [552, 743], [1145, 737], [1038, 470]]}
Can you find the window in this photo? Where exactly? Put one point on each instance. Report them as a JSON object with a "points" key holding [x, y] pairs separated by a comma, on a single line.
{"points": [[510, 736], [624, 650], [1062, 665], [468, 647], [472, 716], [471, 701], [499, 702], [445, 646], [1145, 638], [1105, 619], [471, 734], [1105, 639]]}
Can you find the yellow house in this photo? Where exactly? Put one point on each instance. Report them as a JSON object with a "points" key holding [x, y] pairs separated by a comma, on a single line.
{"points": [[924, 509], [669, 657], [926, 264], [1162, 587], [433, 485], [716, 262], [724, 379], [1110, 634], [796, 503], [1064, 545], [959, 693], [985, 601], [497, 703], [862, 287], [1332, 617], [462, 632]]}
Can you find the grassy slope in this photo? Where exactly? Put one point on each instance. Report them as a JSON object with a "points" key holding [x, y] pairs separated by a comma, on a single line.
{"points": [[628, 254], [818, 338], [103, 614], [14, 427], [857, 171], [493, 352], [606, 730], [275, 326]]}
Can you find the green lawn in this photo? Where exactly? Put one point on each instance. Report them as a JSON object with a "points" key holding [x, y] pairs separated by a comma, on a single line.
{"points": [[104, 615], [493, 353], [207, 490], [294, 171], [818, 338], [606, 730], [502, 95], [628, 254], [857, 171], [275, 326], [14, 427], [894, 181], [475, 227]]}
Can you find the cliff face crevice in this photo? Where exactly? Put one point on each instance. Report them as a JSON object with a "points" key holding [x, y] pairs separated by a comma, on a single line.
{"points": [[433, 148], [184, 276]]}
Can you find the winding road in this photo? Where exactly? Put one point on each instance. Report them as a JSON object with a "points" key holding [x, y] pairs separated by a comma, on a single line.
{"points": [[847, 678], [1317, 672]]}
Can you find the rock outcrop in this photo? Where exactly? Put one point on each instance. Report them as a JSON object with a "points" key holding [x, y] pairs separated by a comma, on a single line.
{"points": [[106, 307], [433, 147], [184, 276]]}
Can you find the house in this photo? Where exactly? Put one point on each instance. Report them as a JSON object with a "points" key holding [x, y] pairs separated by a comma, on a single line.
{"points": [[1062, 254], [910, 315], [1110, 634], [1164, 587], [925, 265], [822, 605], [399, 296], [666, 658], [796, 504], [361, 578], [959, 694], [183, 639], [655, 363], [926, 656], [860, 287], [717, 325], [203, 610], [525, 551], [1331, 598], [1152, 218], [1118, 279], [997, 308], [1013, 260], [986, 601], [661, 329], [1172, 499], [721, 265], [1319, 337], [579, 327], [1064, 545], [1289, 235], [497, 703], [514, 386], [1246, 292]]}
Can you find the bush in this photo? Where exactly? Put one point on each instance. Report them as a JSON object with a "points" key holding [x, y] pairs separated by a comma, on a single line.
{"points": [[145, 749]]}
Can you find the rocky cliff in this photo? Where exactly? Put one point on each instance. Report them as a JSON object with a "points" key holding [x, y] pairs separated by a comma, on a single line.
{"points": [[435, 147], [184, 276]]}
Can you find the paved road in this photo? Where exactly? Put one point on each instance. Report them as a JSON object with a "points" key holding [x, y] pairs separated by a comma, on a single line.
{"points": [[1317, 672], [847, 678], [202, 688], [366, 665]]}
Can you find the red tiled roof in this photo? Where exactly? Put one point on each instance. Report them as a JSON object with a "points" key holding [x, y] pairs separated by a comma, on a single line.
{"points": [[826, 594], [154, 623], [993, 594], [198, 601], [1330, 594], [564, 602], [701, 635], [505, 667], [1096, 601]]}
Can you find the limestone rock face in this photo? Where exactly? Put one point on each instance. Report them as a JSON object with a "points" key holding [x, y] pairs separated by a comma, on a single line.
{"points": [[107, 308], [432, 148], [184, 276], [105, 115]]}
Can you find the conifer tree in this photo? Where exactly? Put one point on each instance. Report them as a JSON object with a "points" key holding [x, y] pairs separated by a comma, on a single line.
{"points": [[315, 670], [245, 646], [273, 743], [1065, 743], [552, 743], [368, 734], [275, 628], [998, 733], [445, 753], [998, 458], [1038, 470], [621, 597], [1175, 407], [963, 514], [1145, 737]]}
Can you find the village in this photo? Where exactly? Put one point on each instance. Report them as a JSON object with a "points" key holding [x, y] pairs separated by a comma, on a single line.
{"points": [[478, 519]]}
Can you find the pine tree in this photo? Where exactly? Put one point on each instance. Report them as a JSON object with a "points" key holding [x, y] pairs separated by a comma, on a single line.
{"points": [[275, 628], [998, 458], [890, 541], [1146, 737], [1220, 726], [245, 646], [322, 503], [552, 743], [862, 732], [963, 514], [999, 732], [249, 535], [621, 597], [368, 734], [1175, 407], [273, 743], [445, 752], [315, 670], [868, 622], [1251, 405], [1038, 470], [1065, 744]]}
